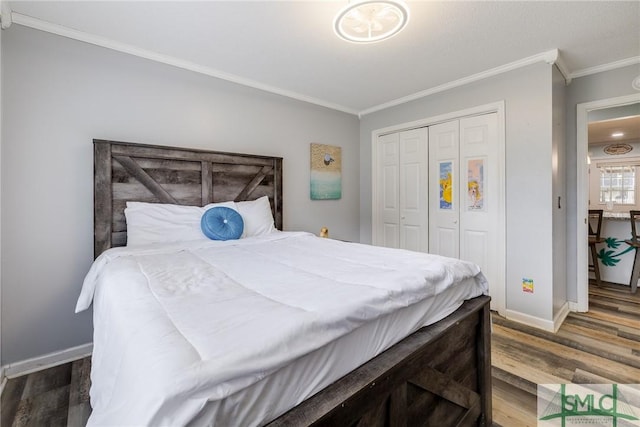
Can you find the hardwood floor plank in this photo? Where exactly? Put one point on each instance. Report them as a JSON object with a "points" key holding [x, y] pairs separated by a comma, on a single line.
{"points": [[531, 363], [79, 407], [613, 302], [514, 380], [49, 379], [585, 377], [622, 329], [80, 381], [620, 352], [613, 342], [78, 414], [621, 293], [629, 335], [586, 322], [512, 406], [625, 319], [44, 409], [11, 396]]}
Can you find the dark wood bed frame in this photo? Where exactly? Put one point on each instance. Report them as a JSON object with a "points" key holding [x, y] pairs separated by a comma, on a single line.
{"points": [[438, 376]]}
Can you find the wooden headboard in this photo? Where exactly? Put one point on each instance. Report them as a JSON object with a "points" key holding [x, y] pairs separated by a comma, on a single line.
{"points": [[149, 173]]}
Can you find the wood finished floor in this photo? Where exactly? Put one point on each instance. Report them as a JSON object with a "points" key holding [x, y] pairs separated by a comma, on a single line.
{"points": [[57, 396], [601, 346], [598, 347]]}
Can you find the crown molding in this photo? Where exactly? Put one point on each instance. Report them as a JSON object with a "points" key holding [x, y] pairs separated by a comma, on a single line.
{"points": [[564, 70], [606, 67], [6, 15], [63, 31], [549, 57]]}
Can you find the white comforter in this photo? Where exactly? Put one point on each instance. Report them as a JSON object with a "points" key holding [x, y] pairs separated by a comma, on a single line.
{"points": [[178, 325]]}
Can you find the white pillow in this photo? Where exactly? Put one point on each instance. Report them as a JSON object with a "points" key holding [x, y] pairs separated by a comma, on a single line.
{"points": [[257, 217], [160, 223]]}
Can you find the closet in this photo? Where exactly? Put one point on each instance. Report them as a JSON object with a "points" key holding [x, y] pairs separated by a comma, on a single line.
{"points": [[402, 173], [437, 190]]}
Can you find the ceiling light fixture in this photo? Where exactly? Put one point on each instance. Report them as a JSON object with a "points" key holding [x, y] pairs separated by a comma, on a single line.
{"points": [[617, 134], [368, 21]]}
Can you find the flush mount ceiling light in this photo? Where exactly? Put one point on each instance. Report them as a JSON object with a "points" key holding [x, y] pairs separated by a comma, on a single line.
{"points": [[368, 21], [617, 134]]}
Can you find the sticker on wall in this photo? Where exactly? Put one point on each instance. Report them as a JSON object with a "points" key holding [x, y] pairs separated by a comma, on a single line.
{"points": [[446, 185], [475, 185], [326, 172], [527, 285]]}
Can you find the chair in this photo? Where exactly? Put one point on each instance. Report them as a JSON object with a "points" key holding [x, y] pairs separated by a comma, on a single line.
{"points": [[595, 215], [635, 243]]}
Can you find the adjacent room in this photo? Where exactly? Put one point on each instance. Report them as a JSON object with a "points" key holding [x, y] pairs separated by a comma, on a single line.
{"points": [[320, 213]]}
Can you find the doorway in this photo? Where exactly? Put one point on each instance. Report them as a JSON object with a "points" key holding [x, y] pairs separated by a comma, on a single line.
{"points": [[582, 186]]}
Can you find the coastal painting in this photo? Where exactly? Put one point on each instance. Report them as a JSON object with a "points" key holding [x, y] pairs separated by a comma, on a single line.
{"points": [[326, 172]]}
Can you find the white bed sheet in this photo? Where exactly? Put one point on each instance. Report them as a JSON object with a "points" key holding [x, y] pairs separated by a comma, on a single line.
{"points": [[195, 332], [274, 395]]}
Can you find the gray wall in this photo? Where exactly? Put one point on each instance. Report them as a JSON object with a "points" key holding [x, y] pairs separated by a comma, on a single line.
{"points": [[59, 94], [1, 115], [559, 206], [609, 84], [527, 93]]}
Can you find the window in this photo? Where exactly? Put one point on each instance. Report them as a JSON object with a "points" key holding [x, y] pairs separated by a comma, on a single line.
{"points": [[618, 185]]}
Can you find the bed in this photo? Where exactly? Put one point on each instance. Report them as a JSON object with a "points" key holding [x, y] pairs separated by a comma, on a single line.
{"points": [[294, 334]]}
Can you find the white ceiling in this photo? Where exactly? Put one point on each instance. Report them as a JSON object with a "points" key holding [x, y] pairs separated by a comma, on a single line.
{"points": [[601, 131], [290, 45]]}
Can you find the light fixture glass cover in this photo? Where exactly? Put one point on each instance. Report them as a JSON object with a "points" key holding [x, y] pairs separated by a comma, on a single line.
{"points": [[367, 21]]}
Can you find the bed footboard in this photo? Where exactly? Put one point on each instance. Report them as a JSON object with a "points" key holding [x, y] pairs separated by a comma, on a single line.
{"points": [[438, 376]]}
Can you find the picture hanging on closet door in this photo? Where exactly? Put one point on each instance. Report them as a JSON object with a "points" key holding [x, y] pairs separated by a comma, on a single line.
{"points": [[326, 172], [446, 185], [475, 184]]}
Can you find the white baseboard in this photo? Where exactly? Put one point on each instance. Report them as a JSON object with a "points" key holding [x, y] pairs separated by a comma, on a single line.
{"points": [[578, 308], [529, 320], [50, 360], [560, 316], [547, 325]]}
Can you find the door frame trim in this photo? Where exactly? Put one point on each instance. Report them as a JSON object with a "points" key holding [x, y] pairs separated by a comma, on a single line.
{"points": [[499, 300], [582, 190]]}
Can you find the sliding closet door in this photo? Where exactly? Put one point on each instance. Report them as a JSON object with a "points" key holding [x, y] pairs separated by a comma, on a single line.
{"points": [[388, 191], [444, 182], [402, 217], [414, 216], [458, 166], [479, 190]]}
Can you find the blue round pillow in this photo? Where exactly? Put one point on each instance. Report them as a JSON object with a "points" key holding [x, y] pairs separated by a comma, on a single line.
{"points": [[221, 223]]}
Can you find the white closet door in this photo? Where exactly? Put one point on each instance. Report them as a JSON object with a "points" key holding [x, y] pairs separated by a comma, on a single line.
{"points": [[388, 224], [444, 184], [414, 211], [479, 190]]}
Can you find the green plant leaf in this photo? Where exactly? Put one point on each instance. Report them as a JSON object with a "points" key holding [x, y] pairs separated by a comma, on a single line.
{"points": [[607, 258], [612, 242]]}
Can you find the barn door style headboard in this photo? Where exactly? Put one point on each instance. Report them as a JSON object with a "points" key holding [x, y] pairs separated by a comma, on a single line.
{"points": [[149, 173]]}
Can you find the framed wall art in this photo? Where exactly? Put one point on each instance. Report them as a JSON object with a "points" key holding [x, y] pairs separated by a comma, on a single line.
{"points": [[475, 184], [326, 172], [445, 174]]}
